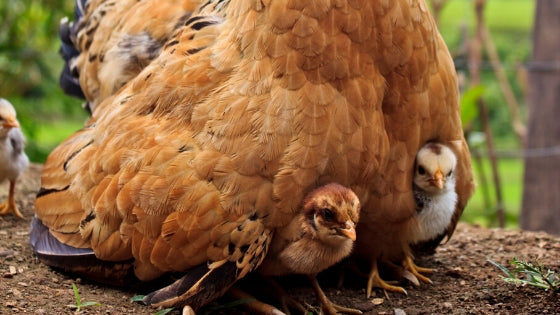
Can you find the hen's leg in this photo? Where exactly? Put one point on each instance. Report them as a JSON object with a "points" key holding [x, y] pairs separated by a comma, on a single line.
{"points": [[327, 305], [256, 306], [374, 280], [259, 307], [10, 204]]}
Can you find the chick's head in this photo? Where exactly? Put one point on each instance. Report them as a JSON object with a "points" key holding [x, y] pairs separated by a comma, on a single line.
{"points": [[332, 212], [434, 168]]}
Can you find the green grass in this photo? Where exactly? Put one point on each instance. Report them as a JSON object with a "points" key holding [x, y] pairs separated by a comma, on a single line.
{"points": [[79, 304], [484, 213], [535, 274]]}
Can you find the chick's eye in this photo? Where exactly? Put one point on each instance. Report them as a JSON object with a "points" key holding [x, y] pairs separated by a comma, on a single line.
{"points": [[327, 214], [421, 170], [450, 172]]}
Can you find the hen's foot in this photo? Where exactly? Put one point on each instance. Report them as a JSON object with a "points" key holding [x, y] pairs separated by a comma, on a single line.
{"points": [[374, 280], [417, 271], [327, 305], [256, 306]]}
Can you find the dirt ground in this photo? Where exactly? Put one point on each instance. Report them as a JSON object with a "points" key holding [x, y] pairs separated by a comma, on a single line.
{"points": [[464, 282]]}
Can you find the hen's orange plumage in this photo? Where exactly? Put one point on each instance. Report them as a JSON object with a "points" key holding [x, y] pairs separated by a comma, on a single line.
{"points": [[249, 106]]}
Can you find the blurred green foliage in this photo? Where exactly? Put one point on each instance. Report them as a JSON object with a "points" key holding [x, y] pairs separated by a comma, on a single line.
{"points": [[469, 105], [481, 209], [29, 70], [510, 25]]}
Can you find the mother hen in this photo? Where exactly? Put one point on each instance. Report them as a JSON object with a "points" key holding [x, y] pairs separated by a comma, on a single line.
{"points": [[250, 105]]}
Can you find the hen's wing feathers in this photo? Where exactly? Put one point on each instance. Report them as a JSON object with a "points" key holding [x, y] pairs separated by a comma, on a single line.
{"points": [[214, 280], [140, 189], [125, 216], [61, 208], [206, 282]]}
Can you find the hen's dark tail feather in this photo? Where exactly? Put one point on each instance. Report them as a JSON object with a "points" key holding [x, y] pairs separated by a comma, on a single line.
{"points": [[69, 78], [81, 261]]}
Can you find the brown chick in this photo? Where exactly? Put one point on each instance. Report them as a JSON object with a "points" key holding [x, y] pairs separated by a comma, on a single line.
{"points": [[319, 236], [13, 160]]}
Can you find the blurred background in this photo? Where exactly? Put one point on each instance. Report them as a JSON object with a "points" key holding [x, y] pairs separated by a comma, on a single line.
{"points": [[491, 43]]}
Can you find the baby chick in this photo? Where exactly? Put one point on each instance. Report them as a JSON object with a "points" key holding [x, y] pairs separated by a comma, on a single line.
{"points": [[322, 234], [12, 158], [435, 196]]}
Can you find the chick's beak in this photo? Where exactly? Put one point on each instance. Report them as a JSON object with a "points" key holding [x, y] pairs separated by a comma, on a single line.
{"points": [[11, 122], [349, 231], [438, 179]]}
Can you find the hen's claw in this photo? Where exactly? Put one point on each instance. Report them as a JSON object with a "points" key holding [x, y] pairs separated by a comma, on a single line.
{"points": [[416, 270]]}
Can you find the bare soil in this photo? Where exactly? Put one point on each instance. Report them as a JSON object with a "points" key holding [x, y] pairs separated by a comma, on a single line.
{"points": [[464, 281]]}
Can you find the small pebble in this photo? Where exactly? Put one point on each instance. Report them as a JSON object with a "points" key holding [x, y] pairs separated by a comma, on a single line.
{"points": [[17, 293], [377, 301], [6, 253]]}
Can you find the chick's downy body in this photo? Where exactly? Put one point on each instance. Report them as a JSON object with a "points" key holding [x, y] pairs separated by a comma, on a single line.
{"points": [[13, 160], [434, 191]]}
